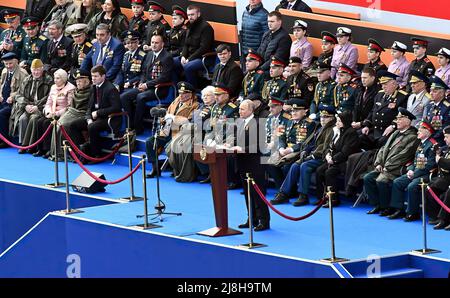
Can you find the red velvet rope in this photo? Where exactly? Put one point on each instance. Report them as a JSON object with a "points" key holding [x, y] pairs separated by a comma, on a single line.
{"points": [[282, 214], [82, 154], [435, 197], [74, 156], [49, 128]]}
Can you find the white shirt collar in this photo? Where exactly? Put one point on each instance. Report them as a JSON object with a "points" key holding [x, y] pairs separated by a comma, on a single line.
{"points": [[156, 54], [98, 86], [59, 39]]}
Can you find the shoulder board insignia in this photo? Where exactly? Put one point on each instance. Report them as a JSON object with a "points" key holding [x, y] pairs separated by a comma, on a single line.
{"points": [[433, 141], [403, 92], [88, 44], [287, 116], [144, 17], [381, 91], [309, 120], [142, 53], [380, 62], [446, 103], [259, 71], [163, 21], [428, 95], [42, 37], [232, 105], [426, 59]]}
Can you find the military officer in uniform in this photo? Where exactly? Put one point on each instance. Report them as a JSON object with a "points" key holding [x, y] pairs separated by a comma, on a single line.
{"points": [[299, 83], [277, 119], [323, 93], [177, 34], [374, 51], [254, 77], [328, 43], [156, 25], [344, 92], [11, 39], [277, 85], [419, 97], [400, 66], [421, 63], [81, 47], [34, 44], [298, 131], [437, 112], [443, 72], [345, 52], [424, 162], [129, 75], [139, 20], [379, 124]]}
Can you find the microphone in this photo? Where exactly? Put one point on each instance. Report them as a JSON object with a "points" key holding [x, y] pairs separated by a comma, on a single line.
{"points": [[158, 112]]}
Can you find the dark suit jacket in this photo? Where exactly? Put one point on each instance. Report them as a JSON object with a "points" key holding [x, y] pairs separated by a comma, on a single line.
{"points": [[39, 9], [230, 75], [163, 65], [364, 102], [108, 101], [346, 145], [59, 56], [248, 138], [299, 6]]}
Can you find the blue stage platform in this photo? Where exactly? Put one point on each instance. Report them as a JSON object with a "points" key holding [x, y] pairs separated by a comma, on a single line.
{"points": [[36, 242]]}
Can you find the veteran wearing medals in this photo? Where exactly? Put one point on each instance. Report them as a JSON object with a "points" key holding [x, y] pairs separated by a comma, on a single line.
{"points": [[277, 85], [299, 83], [344, 93], [131, 71], [254, 77], [81, 47], [34, 43], [324, 90], [11, 39], [419, 97], [59, 48]]}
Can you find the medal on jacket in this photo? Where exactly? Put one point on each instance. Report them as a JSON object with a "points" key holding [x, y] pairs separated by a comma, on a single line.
{"points": [[421, 160], [302, 133], [436, 121]]}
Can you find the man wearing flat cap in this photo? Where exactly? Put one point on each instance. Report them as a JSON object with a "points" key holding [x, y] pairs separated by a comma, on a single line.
{"points": [[390, 159], [139, 20], [399, 65], [11, 39], [344, 92], [424, 162], [156, 25], [254, 77], [81, 46], [299, 83], [324, 90], [11, 80], [34, 43], [421, 63], [374, 51], [177, 34], [30, 99], [443, 72], [437, 112], [276, 86], [419, 97], [301, 47], [345, 52]]}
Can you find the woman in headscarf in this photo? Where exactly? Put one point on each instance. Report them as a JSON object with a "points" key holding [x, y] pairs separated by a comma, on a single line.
{"points": [[85, 12], [345, 142], [110, 15]]}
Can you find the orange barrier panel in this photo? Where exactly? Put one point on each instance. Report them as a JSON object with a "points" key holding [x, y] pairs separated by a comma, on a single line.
{"points": [[348, 15]]}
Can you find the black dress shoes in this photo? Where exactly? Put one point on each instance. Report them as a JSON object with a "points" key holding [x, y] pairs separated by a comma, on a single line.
{"points": [[280, 198], [246, 225], [206, 180], [375, 210], [433, 221], [440, 225], [447, 228], [397, 214], [261, 227], [387, 212], [301, 201], [3, 145], [38, 153], [412, 217]]}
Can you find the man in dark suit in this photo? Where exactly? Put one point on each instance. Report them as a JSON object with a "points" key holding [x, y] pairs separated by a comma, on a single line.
{"points": [[107, 51], [104, 100], [39, 9], [227, 71], [297, 5], [157, 69], [59, 48], [249, 161]]}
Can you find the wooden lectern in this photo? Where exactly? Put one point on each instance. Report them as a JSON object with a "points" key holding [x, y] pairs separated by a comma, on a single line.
{"points": [[217, 162]]}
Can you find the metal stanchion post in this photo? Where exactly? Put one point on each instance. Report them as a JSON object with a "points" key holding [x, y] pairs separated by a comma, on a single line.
{"points": [[56, 184], [132, 197], [251, 244], [333, 258], [68, 210], [424, 250], [146, 225]]}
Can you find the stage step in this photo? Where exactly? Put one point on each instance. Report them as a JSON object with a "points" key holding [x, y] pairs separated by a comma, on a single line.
{"points": [[398, 273]]}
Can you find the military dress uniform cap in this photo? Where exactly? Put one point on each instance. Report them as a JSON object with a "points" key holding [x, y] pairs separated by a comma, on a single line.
{"points": [[253, 55], [402, 112], [327, 110], [76, 29], [30, 22], [447, 130], [385, 76], [343, 68], [179, 11], [81, 73], [9, 56], [278, 62], [426, 125], [419, 42], [131, 35], [9, 14], [185, 87], [375, 45], [295, 60], [438, 83], [399, 46], [275, 100], [220, 88], [155, 6], [300, 24], [343, 31], [297, 103], [323, 66], [444, 52], [138, 2], [36, 63], [328, 37], [417, 76]]}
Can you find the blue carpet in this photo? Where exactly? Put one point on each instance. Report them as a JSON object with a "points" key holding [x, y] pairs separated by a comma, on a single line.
{"points": [[357, 234]]}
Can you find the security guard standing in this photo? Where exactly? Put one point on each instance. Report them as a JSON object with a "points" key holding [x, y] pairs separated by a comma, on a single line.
{"points": [[177, 34], [156, 25], [324, 90], [300, 84], [421, 63], [34, 44], [344, 92], [277, 85], [11, 39], [80, 48], [139, 20], [129, 75], [374, 51], [254, 78], [437, 112]]}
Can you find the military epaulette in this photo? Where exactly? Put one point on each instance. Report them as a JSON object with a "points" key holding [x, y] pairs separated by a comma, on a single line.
{"points": [[163, 21], [381, 91], [232, 105], [42, 37], [287, 116], [426, 60], [259, 71], [309, 120], [433, 141], [403, 92], [144, 17], [88, 44], [141, 53], [446, 103], [428, 95]]}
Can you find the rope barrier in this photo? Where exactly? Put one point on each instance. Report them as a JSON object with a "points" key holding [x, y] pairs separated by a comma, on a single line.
{"points": [[435, 197], [46, 133], [282, 214], [77, 160], [84, 155]]}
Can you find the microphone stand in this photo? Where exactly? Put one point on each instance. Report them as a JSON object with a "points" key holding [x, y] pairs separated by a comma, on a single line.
{"points": [[160, 206]]}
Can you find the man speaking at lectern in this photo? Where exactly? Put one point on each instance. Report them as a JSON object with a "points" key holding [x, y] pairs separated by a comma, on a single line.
{"points": [[246, 144]]}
